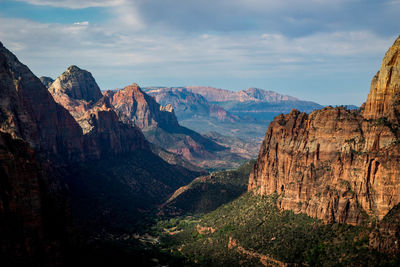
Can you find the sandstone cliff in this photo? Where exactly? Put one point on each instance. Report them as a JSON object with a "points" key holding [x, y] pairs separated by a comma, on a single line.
{"points": [[336, 164]]}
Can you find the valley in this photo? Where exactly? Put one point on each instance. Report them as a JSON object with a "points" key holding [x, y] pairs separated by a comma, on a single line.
{"points": [[195, 176]]}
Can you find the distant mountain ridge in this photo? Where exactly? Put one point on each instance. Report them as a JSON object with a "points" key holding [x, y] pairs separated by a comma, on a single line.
{"points": [[244, 114], [187, 104], [250, 94], [232, 106]]}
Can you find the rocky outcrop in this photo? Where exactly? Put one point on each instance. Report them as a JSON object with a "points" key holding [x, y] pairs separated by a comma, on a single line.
{"points": [[336, 164], [384, 97], [77, 84]]}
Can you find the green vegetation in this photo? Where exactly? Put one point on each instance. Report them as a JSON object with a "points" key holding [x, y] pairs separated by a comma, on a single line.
{"points": [[206, 193], [255, 224]]}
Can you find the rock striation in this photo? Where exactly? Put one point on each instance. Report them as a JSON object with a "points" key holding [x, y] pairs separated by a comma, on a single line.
{"points": [[336, 164]]}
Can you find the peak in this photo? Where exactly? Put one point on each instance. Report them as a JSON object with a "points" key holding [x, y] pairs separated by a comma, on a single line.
{"points": [[384, 96], [132, 87], [77, 84], [397, 42], [73, 68]]}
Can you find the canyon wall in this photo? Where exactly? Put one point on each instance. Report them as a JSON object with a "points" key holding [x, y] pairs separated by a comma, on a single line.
{"points": [[335, 164]]}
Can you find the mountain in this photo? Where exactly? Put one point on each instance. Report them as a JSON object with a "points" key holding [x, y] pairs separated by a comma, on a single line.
{"points": [[250, 94], [244, 114], [69, 175], [188, 104], [77, 84], [336, 164], [160, 126], [206, 193]]}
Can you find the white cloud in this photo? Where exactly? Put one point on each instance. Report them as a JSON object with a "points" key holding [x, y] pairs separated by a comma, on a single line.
{"points": [[74, 4], [83, 23]]}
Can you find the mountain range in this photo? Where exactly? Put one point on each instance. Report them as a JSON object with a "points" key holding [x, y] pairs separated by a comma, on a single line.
{"points": [[242, 115]]}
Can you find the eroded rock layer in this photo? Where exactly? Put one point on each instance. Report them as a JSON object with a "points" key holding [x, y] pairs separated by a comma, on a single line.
{"points": [[336, 164]]}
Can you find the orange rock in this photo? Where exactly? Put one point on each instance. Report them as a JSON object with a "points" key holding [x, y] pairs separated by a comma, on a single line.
{"points": [[336, 164]]}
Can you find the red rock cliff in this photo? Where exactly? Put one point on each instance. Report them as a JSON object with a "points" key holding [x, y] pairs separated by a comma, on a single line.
{"points": [[141, 109], [336, 164]]}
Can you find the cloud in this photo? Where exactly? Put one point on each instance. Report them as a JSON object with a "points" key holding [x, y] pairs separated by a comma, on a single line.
{"points": [[106, 47], [74, 4], [83, 23], [223, 43]]}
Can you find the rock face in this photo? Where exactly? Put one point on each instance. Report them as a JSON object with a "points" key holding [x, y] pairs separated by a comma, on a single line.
{"points": [[384, 96], [77, 84], [336, 164]]}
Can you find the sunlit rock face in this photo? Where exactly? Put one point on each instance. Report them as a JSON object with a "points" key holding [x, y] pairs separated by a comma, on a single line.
{"points": [[137, 107], [335, 164], [77, 84], [104, 134]]}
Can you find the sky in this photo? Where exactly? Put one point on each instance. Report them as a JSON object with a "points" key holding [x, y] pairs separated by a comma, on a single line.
{"points": [[325, 51]]}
